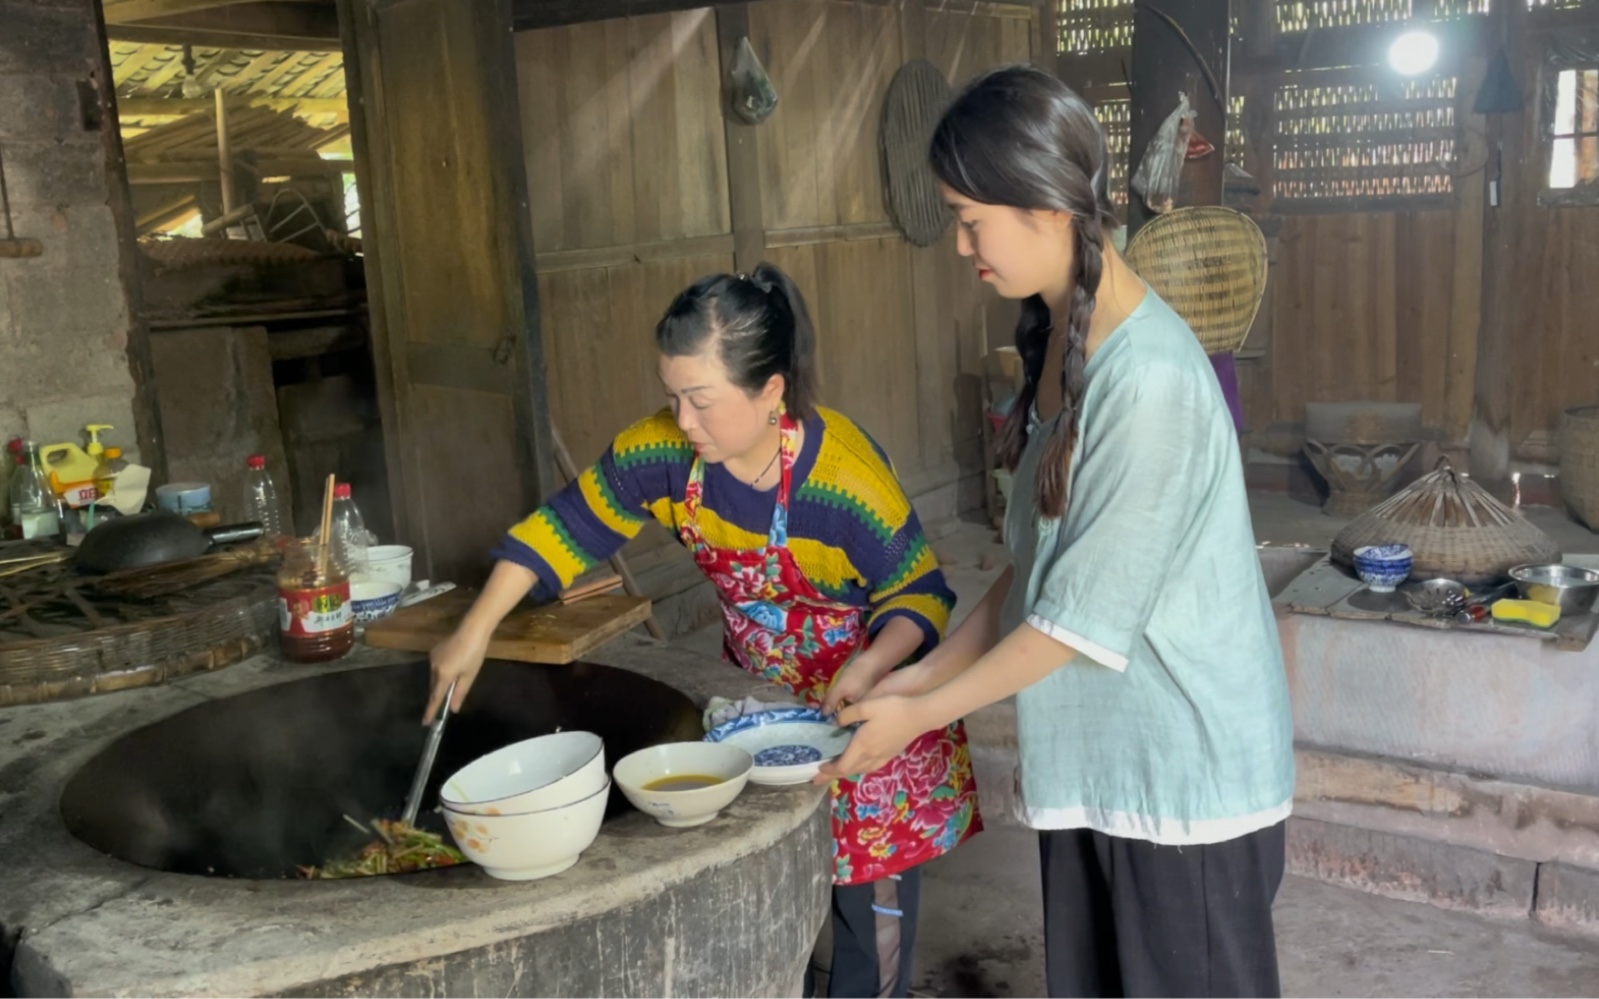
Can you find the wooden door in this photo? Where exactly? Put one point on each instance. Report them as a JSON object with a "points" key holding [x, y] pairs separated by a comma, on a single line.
{"points": [[449, 258]]}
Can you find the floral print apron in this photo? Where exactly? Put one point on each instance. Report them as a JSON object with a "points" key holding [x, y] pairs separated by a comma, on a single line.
{"points": [[778, 626]]}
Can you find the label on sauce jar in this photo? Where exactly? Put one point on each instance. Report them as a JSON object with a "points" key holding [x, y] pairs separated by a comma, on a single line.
{"points": [[315, 611]]}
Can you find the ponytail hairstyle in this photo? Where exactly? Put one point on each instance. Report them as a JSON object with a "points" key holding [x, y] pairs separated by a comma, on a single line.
{"points": [[1019, 137], [760, 328]]}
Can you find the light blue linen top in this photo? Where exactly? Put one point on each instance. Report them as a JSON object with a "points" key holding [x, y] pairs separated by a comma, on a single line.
{"points": [[1173, 722]]}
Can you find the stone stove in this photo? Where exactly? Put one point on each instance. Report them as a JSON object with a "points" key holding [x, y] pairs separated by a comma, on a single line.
{"points": [[115, 808]]}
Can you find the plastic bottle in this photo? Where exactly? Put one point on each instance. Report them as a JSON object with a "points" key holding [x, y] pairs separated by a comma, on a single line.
{"points": [[33, 502], [261, 498], [105, 476], [349, 530]]}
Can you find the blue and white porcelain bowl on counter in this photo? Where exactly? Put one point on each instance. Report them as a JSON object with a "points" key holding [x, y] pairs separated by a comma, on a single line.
{"points": [[789, 744], [1383, 567]]}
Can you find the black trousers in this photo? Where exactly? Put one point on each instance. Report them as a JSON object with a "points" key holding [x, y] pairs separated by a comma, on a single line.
{"points": [[874, 938], [1124, 917]]}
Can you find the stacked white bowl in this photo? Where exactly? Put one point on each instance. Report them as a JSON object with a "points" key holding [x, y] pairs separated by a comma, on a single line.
{"points": [[528, 811]]}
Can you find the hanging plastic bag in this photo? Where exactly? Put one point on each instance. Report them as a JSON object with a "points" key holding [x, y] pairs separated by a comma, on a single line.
{"points": [[1161, 169], [754, 97]]}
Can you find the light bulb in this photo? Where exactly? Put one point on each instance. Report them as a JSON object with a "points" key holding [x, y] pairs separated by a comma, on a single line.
{"points": [[1413, 53]]}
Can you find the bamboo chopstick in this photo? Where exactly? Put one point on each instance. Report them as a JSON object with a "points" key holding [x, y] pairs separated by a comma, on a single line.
{"points": [[327, 532]]}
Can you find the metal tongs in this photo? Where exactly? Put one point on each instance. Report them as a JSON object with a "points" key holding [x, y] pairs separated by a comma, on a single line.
{"points": [[424, 769]]}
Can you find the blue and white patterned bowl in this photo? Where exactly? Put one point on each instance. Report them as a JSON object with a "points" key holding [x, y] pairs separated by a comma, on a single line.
{"points": [[1383, 567], [372, 601], [789, 744]]}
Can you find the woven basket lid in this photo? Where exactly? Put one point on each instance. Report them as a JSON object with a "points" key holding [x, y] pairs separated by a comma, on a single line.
{"points": [[1209, 264], [1454, 527], [916, 97]]}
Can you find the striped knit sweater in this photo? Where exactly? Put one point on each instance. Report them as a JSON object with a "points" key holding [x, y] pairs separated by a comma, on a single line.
{"points": [[850, 528]]}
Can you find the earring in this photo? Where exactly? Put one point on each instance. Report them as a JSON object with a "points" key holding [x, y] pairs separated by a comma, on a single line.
{"points": [[772, 419]]}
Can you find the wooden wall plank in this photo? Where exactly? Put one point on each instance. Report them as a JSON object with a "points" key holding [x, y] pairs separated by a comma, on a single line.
{"points": [[539, 91], [701, 143], [594, 149], [1361, 309], [902, 331], [831, 64], [625, 141]]}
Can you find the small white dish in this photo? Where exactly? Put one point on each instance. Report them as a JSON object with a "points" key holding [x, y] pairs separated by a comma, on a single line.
{"points": [[386, 564], [525, 776], [683, 807], [789, 745], [530, 845]]}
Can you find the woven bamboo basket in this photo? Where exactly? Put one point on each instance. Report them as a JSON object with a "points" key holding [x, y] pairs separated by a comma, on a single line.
{"points": [[1209, 264], [1454, 527], [1579, 464], [141, 643]]}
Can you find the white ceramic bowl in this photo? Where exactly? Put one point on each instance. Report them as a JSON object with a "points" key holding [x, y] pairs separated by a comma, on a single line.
{"points": [[387, 564], [374, 600], [526, 776], [683, 808], [530, 845]]}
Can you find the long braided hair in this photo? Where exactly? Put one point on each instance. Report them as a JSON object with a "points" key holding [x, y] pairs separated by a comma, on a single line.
{"points": [[1017, 136]]}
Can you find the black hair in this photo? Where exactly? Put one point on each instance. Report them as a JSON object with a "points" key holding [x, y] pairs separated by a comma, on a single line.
{"points": [[1017, 136], [761, 327]]}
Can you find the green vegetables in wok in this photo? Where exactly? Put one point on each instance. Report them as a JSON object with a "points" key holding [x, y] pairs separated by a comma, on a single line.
{"points": [[399, 849]]}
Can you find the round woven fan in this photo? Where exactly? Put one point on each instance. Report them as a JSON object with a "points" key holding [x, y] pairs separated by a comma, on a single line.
{"points": [[1209, 264], [1454, 527], [916, 97]]}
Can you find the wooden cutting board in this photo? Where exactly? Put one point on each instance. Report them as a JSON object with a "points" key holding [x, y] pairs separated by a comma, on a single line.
{"points": [[555, 633]]}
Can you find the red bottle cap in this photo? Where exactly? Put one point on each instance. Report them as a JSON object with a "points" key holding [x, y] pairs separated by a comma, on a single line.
{"points": [[341, 490], [257, 461]]}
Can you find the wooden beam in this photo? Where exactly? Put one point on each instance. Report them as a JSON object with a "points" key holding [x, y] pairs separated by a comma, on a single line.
{"points": [[207, 170], [135, 61], [529, 14], [165, 73], [1465, 300], [310, 77], [224, 153], [743, 147], [275, 24], [169, 211], [129, 11], [292, 65], [178, 107], [213, 64], [146, 410], [1162, 65], [1498, 327]]}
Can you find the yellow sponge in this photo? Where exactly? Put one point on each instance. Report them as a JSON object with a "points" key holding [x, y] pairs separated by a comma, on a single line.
{"points": [[1527, 612]]}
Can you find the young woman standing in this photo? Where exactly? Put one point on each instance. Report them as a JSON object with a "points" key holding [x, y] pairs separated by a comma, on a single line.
{"points": [[1134, 627]]}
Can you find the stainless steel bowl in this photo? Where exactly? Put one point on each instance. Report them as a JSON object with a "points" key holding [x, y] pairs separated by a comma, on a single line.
{"points": [[1568, 587], [1435, 596]]}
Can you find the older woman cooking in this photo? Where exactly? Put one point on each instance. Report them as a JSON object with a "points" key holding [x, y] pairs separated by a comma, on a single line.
{"points": [[826, 580]]}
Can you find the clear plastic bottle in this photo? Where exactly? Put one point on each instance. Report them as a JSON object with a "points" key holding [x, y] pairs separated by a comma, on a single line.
{"points": [[349, 530], [33, 503], [261, 498]]}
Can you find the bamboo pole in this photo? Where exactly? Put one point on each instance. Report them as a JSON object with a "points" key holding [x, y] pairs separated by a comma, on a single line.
{"points": [[224, 152]]}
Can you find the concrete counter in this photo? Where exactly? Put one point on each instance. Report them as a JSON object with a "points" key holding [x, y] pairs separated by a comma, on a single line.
{"points": [[732, 908]]}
